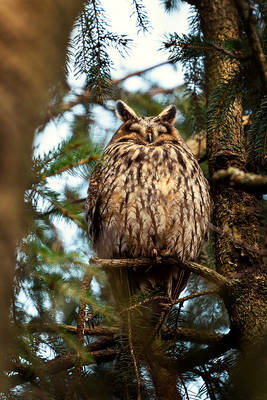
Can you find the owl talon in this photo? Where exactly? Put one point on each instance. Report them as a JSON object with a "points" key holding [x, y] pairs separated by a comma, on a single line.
{"points": [[154, 253]]}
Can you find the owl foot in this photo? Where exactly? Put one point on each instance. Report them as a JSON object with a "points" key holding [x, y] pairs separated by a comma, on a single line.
{"points": [[154, 253]]}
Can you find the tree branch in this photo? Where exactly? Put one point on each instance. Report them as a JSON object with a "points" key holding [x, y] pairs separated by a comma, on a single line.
{"points": [[167, 300], [246, 181], [67, 361], [62, 363], [246, 13], [193, 358], [191, 335], [227, 52], [101, 330], [138, 73], [158, 262]]}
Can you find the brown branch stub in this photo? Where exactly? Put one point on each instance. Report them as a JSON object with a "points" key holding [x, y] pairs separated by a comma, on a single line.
{"points": [[246, 181], [134, 263]]}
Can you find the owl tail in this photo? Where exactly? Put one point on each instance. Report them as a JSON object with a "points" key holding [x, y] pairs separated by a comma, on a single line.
{"points": [[156, 287], [170, 281]]}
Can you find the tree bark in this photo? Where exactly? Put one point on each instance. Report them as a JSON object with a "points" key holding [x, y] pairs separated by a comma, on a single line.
{"points": [[33, 41], [234, 210]]}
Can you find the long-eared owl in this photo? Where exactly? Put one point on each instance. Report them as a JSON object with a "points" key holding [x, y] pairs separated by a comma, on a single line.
{"points": [[149, 197]]}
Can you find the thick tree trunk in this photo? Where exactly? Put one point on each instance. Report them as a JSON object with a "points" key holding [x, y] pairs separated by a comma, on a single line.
{"points": [[33, 40], [234, 210]]}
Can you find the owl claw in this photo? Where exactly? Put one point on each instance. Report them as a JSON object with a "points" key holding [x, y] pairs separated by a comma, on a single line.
{"points": [[154, 253]]}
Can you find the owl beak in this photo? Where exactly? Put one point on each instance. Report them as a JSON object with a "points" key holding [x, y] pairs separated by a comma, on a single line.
{"points": [[150, 137]]}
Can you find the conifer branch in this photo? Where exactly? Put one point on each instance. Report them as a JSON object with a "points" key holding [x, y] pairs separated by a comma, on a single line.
{"points": [[100, 330], [81, 320], [228, 53], [234, 177], [98, 47], [193, 358], [67, 214], [167, 300], [134, 359], [62, 363], [208, 47], [194, 295], [140, 72], [191, 335], [86, 160], [141, 14], [108, 333], [158, 262], [86, 96]]}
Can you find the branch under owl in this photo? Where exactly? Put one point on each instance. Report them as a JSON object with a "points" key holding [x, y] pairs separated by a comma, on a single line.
{"points": [[248, 182], [134, 263]]}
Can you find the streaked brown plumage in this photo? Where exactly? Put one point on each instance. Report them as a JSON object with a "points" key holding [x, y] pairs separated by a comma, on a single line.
{"points": [[149, 197]]}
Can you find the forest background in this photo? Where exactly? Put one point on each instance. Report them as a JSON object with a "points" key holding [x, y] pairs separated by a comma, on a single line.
{"points": [[60, 338]]}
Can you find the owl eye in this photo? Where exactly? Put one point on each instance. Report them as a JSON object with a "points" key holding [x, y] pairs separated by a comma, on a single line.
{"points": [[134, 128], [162, 131]]}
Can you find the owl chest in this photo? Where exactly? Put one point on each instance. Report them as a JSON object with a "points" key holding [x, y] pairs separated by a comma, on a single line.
{"points": [[143, 191], [143, 178], [148, 200]]}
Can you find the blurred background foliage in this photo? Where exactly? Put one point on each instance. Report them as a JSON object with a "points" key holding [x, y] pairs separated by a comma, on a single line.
{"points": [[50, 360]]}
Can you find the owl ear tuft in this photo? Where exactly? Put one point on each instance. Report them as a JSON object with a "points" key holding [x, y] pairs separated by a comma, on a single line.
{"points": [[124, 112], [169, 114]]}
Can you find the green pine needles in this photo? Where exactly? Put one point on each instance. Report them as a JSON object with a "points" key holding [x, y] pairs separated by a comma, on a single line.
{"points": [[91, 45]]}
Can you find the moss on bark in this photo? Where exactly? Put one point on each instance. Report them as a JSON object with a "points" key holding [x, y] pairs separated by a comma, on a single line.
{"points": [[235, 211]]}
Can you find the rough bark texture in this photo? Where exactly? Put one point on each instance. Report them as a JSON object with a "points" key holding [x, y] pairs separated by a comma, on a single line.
{"points": [[164, 379], [234, 210], [33, 39]]}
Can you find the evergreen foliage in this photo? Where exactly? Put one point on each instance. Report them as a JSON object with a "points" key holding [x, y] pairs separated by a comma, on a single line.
{"points": [[142, 20], [90, 45]]}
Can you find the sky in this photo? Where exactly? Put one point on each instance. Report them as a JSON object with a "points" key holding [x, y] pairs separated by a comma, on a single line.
{"points": [[144, 53]]}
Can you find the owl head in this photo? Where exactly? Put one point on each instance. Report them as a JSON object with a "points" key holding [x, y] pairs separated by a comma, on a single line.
{"points": [[145, 130]]}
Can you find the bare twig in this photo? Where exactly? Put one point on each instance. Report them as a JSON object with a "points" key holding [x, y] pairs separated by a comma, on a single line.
{"points": [[140, 72], [158, 90]]}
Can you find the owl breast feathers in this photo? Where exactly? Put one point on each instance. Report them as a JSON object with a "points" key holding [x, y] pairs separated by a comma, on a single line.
{"points": [[149, 195]]}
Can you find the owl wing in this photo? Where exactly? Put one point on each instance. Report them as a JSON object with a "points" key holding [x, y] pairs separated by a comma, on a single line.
{"points": [[92, 204]]}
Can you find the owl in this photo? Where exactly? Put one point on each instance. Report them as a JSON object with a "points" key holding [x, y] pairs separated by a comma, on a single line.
{"points": [[148, 198]]}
